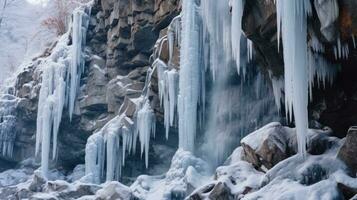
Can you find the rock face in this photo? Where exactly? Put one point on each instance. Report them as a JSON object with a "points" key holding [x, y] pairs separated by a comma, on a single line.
{"points": [[348, 150]]}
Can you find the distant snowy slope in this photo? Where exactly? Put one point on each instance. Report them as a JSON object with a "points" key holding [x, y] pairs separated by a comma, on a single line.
{"points": [[21, 34]]}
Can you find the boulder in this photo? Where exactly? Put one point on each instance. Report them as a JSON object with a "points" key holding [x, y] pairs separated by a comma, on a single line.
{"points": [[267, 146], [348, 151]]}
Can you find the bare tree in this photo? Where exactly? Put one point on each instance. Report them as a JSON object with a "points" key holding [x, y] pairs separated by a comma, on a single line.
{"points": [[59, 20]]}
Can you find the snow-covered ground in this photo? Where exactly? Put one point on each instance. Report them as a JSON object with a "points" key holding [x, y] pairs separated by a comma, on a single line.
{"points": [[21, 33]]}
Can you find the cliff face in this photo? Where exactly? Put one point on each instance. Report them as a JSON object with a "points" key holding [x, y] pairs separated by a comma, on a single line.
{"points": [[120, 41]]}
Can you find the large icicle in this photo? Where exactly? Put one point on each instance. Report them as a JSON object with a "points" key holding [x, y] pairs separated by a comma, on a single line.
{"points": [[190, 73], [237, 14], [292, 22], [79, 32]]}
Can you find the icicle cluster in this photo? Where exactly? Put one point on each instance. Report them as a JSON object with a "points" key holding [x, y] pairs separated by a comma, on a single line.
{"points": [[7, 125], [168, 91], [119, 137], [341, 51], [109, 145], [292, 24], [61, 73], [320, 71]]}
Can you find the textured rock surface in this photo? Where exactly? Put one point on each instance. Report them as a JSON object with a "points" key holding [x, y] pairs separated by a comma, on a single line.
{"points": [[348, 151]]}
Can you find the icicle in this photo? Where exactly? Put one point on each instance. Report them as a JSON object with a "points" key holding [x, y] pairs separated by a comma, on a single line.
{"points": [[77, 66], [292, 15], [145, 128], [237, 14], [321, 70], [174, 35], [249, 50], [278, 88], [354, 41], [94, 157]]}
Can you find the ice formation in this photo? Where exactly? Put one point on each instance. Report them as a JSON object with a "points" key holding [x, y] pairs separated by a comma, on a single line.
{"points": [[190, 76], [186, 170], [292, 23], [61, 73], [321, 71], [236, 27], [109, 145], [340, 50], [8, 104]]}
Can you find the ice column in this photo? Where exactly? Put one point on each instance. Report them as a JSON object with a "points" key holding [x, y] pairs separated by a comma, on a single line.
{"points": [[190, 73], [292, 22]]}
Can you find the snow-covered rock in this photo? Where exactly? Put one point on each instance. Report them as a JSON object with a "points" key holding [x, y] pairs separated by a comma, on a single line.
{"points": [[348, 151], [185, 174], [266, 146]]}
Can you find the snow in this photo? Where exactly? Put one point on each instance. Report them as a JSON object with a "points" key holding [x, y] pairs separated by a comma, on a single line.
{"points": [[21, 35], [292, 22], [255, 140], [185, 169], [14, 176]]}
